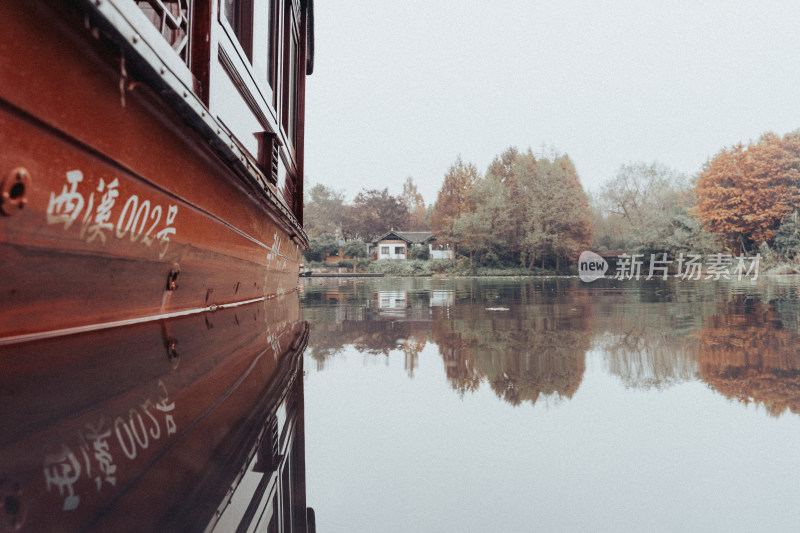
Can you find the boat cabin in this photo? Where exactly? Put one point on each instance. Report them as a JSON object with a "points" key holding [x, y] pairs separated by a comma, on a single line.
{"points": [[246, 61]]}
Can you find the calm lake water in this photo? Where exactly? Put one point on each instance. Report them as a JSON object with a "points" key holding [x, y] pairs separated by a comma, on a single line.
{"points": [[552, 405]]}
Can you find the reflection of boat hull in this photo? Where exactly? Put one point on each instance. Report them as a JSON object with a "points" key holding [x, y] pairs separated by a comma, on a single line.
{"points": [[114, 198], [154, 426]]}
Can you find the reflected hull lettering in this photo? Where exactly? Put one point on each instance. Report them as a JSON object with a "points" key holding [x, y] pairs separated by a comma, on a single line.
{"points": [[157, 426]]}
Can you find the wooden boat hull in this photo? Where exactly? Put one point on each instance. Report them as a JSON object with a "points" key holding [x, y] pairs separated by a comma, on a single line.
{"points": [[113, 209]]}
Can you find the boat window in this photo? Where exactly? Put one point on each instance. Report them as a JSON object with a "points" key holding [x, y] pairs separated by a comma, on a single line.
{"points": [[239, 14], [171, 19], [290, 72], [272, 51]]}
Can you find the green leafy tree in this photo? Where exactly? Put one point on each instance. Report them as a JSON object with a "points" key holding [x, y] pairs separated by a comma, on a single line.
{"points": [[683, 233], [323, 212], [373, 213], [611, 231], [319, 247], [419, 252], [639, 190], [524, 209], [514, 198], [561, 213], [551, 209], [787, 237], [646, 208], [486, 229], [355, 248], [415, 203]]}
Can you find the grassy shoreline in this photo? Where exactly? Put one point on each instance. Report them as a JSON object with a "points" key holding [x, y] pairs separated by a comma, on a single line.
{"points": [[432, 268], [461, 269]]}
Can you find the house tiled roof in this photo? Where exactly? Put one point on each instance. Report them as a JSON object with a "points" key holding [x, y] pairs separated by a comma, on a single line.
{"points": [[411, 237], [417, 237]]}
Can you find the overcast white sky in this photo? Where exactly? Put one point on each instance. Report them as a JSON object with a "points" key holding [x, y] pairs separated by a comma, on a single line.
{"points": [[402, 87]]}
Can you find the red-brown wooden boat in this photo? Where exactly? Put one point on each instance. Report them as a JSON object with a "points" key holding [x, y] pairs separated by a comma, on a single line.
{"points": [[152, 158], [150, 192]]}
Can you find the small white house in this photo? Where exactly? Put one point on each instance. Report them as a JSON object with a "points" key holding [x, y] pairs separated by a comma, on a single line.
{"points": [[395, 245], [439, 250]]}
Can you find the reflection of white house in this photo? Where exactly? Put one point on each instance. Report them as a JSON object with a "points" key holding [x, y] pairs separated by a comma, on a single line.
{"points": [[392, 304], [391, 300], [395, 245], [442, 298]]}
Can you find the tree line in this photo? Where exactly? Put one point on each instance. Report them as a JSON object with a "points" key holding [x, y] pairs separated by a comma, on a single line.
{"points": [[373, 212], [530, 210], [745, 200], [525, 211]]}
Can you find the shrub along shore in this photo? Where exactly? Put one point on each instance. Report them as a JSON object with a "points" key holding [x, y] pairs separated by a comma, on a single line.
{"points": [[434, 267], [770, 265]]}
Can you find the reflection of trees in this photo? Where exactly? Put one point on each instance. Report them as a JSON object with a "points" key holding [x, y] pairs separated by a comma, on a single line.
{"points": [[553, 365], [650, 335], [344, 312], [327, 338], [380, 337], [747, 354], [458, 359], [647, 359], [645, 334], [644, 353], [536, 347]]}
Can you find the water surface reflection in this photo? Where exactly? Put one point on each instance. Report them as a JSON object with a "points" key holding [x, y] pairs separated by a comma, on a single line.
{"points": [[190, 423], [527, 338], [749, 352], [642, 395]]}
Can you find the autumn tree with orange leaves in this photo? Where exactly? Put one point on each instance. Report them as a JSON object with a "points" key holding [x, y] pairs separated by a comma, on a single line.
{"points": [[453, 199], [744, 192]]}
